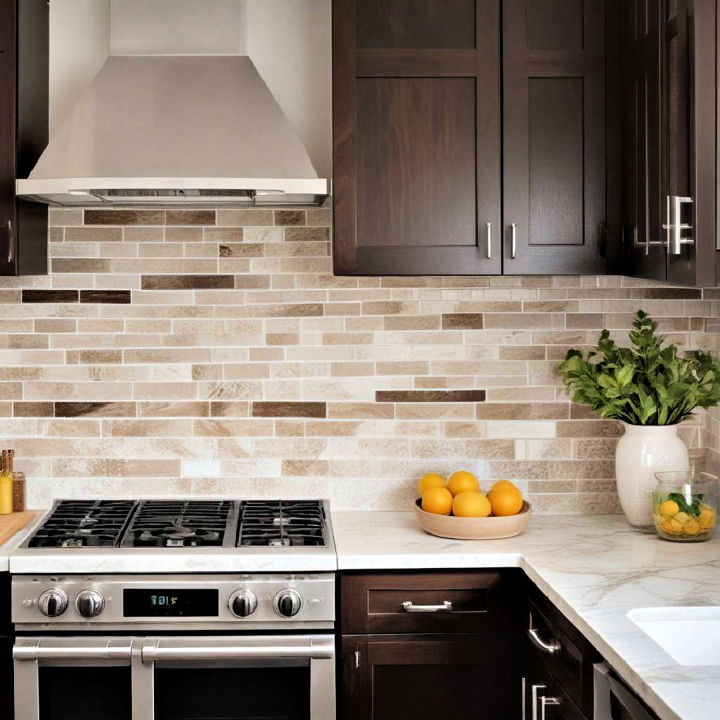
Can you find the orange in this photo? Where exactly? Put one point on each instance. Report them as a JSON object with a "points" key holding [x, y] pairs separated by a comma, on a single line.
{"points": [[505, 485], [428, 481], [471, 504], [462, 481], [437, 500], [505, 501]]}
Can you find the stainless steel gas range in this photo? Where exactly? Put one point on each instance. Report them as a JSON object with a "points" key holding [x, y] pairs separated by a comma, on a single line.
{"points": [[165, 609]]}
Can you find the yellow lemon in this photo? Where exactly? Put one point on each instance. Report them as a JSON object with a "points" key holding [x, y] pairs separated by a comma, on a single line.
{"points": [[437, 500], [682, 517], [505, 501], [462, 481], [471, 504], [669, 508], [707, 519], [505, 485], [692, 527], [428, 481]]}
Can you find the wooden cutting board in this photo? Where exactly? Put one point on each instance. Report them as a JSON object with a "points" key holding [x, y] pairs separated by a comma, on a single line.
{"points": [[10, 524]]}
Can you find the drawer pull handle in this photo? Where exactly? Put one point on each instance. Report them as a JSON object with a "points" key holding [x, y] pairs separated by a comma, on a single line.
{"points": [[550, 647], [409, 607]]}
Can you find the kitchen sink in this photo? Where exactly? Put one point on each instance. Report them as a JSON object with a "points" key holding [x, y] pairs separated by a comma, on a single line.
{"points": [[690, 635]]}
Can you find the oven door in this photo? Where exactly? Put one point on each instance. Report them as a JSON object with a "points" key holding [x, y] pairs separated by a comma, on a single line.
{"points": [[73, 678], [278, 677]]}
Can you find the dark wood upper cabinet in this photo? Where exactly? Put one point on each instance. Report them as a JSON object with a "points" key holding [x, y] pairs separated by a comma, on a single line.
{"points": [[554, 136], [23, 132], [669, 140], [416, 137]]}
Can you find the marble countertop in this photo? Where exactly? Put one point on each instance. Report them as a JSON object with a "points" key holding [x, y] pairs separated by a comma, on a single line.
{"points": [[594, 568]]}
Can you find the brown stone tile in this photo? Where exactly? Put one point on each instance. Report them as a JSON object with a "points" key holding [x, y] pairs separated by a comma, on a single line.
{"points": [[522, 352], [434, 396], [55, 325], [583, 412], [282, 339], [290, 217], [360, 411], [666, 293], [412, 322], [305, 468], [187, 282], [94, 357], [233, 408], [116, 297], [388, 307], [241, 250], [50, 296], [174, 409], [245, 218], [589, 428], [586, 321], [124, 217], [223, 234], [80, 265], [97, 409], [522, 411], [314, 234], [289, 409], [93, 234], [33, 409], [462, 321], [190, 217], [252, 282]]}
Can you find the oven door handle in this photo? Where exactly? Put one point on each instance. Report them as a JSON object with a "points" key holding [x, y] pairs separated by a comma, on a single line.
{"points": [[321, 651], [49, 652]]}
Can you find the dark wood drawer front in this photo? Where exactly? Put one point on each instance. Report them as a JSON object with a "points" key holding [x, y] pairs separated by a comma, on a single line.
{"points": [[423, 602]]}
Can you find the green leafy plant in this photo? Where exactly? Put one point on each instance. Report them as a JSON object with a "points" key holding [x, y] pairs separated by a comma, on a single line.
{"points": [[646, 384]]}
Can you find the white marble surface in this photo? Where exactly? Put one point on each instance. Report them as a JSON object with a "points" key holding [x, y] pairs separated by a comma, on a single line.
{"points": [[594, 568]]}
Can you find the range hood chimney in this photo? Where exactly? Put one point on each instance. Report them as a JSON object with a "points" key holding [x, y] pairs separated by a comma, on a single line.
{"points": [[175, 129]]}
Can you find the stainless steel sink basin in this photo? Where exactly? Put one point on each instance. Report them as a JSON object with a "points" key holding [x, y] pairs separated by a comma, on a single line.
{"points": [[690, 635]]}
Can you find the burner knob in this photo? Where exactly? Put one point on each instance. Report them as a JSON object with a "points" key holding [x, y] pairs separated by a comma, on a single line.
{"points": [[288, 602], [53, 602], [242, 603], [89, 603]]}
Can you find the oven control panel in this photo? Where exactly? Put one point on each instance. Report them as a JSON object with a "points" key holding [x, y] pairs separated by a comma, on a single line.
{"points": [[153, 600]]}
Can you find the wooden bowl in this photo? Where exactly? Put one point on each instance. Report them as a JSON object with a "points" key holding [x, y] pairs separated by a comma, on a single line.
{"points": [[471, 528]]}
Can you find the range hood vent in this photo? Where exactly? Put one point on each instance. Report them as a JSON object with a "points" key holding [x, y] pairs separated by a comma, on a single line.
{"points": [[169, 130]]}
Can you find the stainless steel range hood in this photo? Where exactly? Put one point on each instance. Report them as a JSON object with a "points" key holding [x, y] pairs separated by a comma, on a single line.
{"points": [[166, 130]]}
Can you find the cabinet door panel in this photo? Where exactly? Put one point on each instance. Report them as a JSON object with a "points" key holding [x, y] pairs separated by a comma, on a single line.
{"points": [[416, 110], [554, 137], [416, 169], [425, 677], [8, 112], [413, 24]]}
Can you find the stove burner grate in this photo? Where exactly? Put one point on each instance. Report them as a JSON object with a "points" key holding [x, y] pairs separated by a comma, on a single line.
{"points": [[281, 523], [172, 524], [84, 523]]}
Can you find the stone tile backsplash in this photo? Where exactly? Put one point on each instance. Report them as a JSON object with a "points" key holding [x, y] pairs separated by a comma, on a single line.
{"points": [[213, 352]]}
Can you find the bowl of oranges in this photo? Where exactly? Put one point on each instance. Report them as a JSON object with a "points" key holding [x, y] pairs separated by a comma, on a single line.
{"points": [[457, 508]]}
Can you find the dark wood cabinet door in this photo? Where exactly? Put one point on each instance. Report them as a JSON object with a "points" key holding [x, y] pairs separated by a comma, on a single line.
{"points": [[554, 136], [416, 137], [8, 111], [425, 677], [23, 132], [541, 695]]}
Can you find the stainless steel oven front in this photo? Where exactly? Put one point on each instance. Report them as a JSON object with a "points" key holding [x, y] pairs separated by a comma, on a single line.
{"points": [[174, 648]]}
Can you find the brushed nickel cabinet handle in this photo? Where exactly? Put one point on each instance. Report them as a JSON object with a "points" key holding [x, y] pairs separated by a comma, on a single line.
{"points": [[674, 226], [513, 241], [550, 647], [10, 242], [409, 607], [489, 241], [548, 702]]}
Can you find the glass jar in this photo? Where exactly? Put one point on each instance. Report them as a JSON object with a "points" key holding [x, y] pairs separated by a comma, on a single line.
{"points": [[685, 505]]}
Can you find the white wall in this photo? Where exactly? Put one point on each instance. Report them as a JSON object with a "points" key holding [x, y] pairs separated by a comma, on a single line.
{"points": [[178, 27], [79, 45], [290, 43]]}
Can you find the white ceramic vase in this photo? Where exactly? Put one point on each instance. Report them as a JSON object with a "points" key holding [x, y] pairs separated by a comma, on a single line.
{"points": [[641, 452]]}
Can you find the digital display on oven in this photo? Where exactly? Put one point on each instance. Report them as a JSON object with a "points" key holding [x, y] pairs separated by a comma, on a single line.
{"points": [[150, 602]]}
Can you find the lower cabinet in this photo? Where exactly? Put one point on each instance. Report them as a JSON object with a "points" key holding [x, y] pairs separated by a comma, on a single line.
{"points": [[425, 677], [542, 697]]}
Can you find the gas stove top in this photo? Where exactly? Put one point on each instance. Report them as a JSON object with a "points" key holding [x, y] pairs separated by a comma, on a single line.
{"points": [[175, 524]]}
